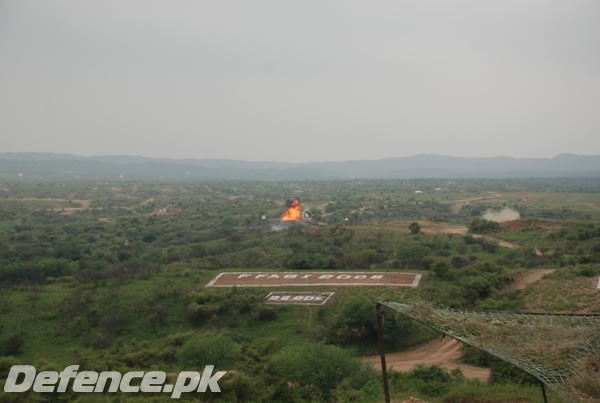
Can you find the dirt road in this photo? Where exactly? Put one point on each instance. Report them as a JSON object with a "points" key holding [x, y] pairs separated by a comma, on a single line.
{"points": [[83, 204], [457, 205], [501, 243], [434, 227], [525, 279], [445, 353]]}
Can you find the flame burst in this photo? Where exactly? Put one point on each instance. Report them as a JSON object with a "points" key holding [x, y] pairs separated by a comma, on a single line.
{"points": [[293, 212]]}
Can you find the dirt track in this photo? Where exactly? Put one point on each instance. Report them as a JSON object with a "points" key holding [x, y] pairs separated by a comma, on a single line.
{"points": [[431, 227], [457, 205], [445, 353], [428, 227], [83, 204], [525, 279], [501, 243]]}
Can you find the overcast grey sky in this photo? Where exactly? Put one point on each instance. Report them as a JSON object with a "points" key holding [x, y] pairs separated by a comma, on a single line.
{"points": [[300, 80]]}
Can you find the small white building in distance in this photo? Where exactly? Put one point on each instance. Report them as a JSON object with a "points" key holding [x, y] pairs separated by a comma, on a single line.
{"points": [[418, 191]]}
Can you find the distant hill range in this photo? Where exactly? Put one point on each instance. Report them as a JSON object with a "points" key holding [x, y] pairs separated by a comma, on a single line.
{"points": [[65, 166]]}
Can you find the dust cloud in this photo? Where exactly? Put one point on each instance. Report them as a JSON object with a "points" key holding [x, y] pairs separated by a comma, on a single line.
{"points": [[506, 214]]}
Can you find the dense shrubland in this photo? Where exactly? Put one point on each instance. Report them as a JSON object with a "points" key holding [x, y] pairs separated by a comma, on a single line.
{"points": [[120, 286]]}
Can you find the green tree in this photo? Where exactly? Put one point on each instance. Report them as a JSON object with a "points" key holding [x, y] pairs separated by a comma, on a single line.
{"points": [[316, 368], [355, 324], [218, 350], [481, 226], [414, 227]]}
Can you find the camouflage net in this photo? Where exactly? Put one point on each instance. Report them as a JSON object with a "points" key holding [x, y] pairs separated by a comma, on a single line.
{"points": [[561, 350]]}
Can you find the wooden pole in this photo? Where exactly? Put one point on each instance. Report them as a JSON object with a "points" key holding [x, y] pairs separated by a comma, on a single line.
{"points": [[544, 392], [386, 389]]}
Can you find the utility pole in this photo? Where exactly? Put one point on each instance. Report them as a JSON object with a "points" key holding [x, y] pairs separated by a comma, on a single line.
{"points": [[544, 392], [386, 389]]}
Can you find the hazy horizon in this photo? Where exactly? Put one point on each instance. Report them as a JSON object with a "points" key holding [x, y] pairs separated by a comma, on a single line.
{"points": [[292, 162], [300, 82]]}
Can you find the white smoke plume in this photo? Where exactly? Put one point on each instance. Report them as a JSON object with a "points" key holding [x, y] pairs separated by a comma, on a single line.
{"points": [[506, 214]]}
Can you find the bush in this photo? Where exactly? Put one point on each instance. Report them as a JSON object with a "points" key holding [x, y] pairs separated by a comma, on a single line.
{"points": [[206, 306], [481, 226], [13, 344], [202, 313], [307, 261], [5, 364], [588, 270], [317, 368], [441, 268], [431, 381], [150, 237], [502, 371], [414, 227], [242, 387], [218, 350], [265, 313], [412, 254], [355, 323]]}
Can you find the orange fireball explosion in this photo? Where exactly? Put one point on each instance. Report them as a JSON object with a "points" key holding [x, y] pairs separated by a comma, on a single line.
{"points": [[294, 211]]}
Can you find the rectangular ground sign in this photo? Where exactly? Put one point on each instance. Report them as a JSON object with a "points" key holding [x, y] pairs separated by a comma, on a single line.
{"points": [[341, 278], [298, 298]]}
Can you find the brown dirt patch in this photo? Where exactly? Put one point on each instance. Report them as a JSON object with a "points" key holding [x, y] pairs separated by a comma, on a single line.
{"points": [[594, 206], [83, 204], [427, 227], [148, 201], [430, 227], [445, 353], [517, 225], [523, 280], [504, 244]]}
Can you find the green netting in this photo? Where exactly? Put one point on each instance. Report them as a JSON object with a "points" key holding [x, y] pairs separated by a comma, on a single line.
{"points": [[561, 350]]}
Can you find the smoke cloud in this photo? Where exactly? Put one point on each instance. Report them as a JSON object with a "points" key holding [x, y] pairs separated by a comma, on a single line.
{"points": [[506, 214]]}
